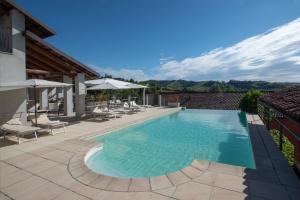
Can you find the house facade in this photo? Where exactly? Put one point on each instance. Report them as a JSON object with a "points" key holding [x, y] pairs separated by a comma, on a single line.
{"points": [[24, 54]]}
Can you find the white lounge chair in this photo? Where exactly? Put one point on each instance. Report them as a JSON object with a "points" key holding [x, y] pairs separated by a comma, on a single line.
{"points": [[136, 106], [15, 126], [44, 122], [130, 108], [105, 114]]}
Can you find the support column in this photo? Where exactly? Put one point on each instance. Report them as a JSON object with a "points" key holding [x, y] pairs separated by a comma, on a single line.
{"points": [[144, 96], [159, 100], [43, 97], [147, 99], [80, 92], [128, 100], [68, 96]]}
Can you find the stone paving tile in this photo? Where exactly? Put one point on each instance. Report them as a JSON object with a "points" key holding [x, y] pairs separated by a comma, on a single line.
{"points": [[200, 164], [4, 197], [19, 158], [160, 182], [88, 177], [44, 165], [223, 194], [167, 192], [13, 178], [79, 171], [118, 185], [252, 197], [47, 191], [85, 190], [293, 193], [138, 185], [289, 179], [263, 162], [228, 169], [267, 190], [69, 195], [68, 147], [19, 189], [6, 169], [101, 182], [193, 191], [28, 146], [207, 178], [149, 196], [59, 156], [191, 172], [42, 151], [265, 174], [59, 175], [108, 195], [178, 177], [25, 164], [231, 182]]}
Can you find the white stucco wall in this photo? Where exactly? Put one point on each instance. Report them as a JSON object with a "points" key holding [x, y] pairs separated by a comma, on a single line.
{"points": [[13, 68]]}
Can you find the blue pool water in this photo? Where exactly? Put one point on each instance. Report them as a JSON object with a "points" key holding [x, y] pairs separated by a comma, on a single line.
{"points": [[172, 142]]}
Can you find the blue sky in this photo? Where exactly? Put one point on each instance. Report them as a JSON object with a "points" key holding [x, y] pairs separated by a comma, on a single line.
{"points": [[172, 39]]}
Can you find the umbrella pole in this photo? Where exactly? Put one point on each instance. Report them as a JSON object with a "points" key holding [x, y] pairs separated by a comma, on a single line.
{"points": [[108, 99], [35, 109]]}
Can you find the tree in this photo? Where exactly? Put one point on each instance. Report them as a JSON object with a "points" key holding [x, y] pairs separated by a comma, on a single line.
{"points": [[249, 102]]}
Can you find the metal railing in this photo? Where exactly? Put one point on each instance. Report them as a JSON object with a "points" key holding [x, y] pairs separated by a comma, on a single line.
{"points": [[6, 39], [267, 115]]}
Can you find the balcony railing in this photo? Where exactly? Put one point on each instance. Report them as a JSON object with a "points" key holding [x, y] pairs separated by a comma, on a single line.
{"points": [[5, 40]]}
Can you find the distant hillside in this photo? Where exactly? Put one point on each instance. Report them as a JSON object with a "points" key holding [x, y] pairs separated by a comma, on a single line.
{"points": [[215, 86]]}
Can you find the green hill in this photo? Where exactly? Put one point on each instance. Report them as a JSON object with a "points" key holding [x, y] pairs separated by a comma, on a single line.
{"points": [[214, 86]]}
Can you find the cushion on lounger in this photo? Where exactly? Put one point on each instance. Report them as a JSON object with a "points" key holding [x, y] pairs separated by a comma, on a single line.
{"points": [[43, 118], [15, 121]]}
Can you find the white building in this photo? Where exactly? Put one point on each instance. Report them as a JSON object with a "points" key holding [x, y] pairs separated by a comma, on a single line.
{"points": [[24, 54]]}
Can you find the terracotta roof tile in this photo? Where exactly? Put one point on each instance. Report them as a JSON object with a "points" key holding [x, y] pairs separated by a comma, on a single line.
{"points": [[286, 101]]}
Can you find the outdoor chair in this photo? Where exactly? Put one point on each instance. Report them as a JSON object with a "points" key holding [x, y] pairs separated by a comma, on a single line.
{"points": [[104, 114], [136, 106], [15, 126], [44, 122]]}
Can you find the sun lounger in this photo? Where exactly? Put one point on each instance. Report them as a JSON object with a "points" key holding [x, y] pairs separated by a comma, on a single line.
{"points": [[44, 122], [136, 106], [105, 114], [15, 126], [130, 108]]}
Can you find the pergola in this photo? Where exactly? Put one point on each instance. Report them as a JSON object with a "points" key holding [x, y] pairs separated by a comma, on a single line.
{"points": [[281, 110]]}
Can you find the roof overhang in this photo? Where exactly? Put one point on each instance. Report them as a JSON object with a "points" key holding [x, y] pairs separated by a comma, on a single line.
{"points": [[42, 57], [32, 23]]}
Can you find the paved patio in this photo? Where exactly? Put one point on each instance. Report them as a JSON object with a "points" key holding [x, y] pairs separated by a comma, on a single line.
{"points": [[53, 168]]}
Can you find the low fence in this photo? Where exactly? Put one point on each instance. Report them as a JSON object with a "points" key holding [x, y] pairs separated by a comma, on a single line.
{"points": [[205, 100], [287, 130]]}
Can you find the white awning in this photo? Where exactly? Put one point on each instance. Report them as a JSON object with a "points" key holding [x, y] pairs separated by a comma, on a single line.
{"points": [[111, 84], [31, 83]]}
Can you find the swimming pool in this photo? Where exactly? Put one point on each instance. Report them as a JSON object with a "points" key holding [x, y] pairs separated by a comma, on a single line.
{"points": [[170, 143]]}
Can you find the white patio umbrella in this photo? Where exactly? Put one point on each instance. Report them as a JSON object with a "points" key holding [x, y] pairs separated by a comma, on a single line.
{"points": [[112, 84], [109, 83], [32, 83]]}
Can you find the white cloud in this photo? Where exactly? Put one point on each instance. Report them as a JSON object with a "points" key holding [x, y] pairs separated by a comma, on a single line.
{"points": [[271, 56], [136, 74]]}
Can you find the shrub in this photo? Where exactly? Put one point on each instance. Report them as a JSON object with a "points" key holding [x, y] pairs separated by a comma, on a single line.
{"points": [[249, 101], [287, 146]]}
